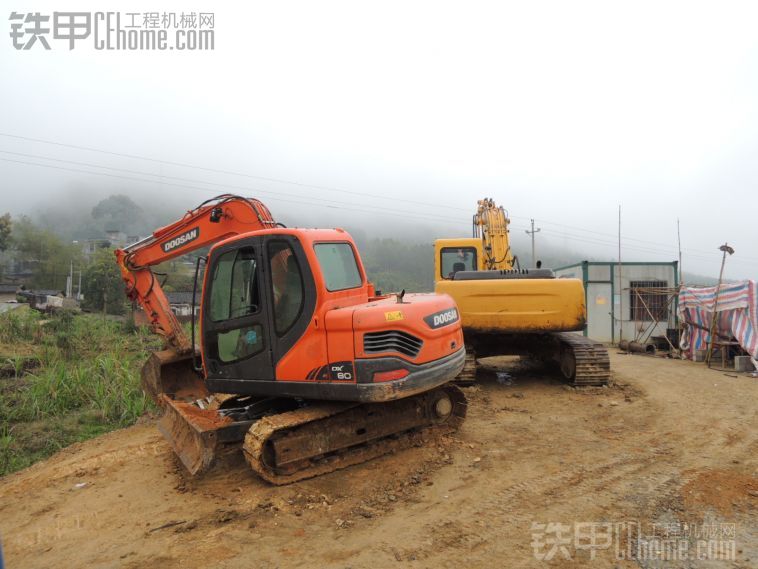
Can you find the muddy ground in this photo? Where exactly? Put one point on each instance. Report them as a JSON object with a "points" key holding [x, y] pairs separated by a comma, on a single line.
{"points": [[670, 446]]}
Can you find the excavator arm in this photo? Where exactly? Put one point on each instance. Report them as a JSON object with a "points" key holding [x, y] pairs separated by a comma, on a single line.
{"points": [[212, 221], [491, 225]]}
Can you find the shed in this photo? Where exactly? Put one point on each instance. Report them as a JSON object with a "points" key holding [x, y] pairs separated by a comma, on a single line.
{"points": [[624, 299], [47, 299], [181, 303]]}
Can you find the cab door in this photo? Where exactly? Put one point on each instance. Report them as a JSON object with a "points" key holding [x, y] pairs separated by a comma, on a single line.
{"points": [[237, 341]]}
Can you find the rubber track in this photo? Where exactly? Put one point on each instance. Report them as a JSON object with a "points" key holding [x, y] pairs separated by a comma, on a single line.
{"points": [[593, 366], [265, 428]]}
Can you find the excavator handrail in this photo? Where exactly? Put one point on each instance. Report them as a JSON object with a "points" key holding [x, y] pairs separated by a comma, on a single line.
{"points": [[212, 221]]}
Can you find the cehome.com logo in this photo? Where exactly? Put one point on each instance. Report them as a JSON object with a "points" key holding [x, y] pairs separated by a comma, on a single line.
{"points": [[182, 239]]}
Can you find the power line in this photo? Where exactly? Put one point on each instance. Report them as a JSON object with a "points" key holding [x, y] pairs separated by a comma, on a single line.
{"points": [[395, 213], [221, 171], [613, 245], [161, 177], [273, 197], [282, 181], [624, 237]]}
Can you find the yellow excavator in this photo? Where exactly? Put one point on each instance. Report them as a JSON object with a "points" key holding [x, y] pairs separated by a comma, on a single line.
{"points": [[509, 310]]}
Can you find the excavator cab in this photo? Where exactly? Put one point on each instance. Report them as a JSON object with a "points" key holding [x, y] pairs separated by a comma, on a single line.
{"points": [[260, 295], [455, 255], [260, 299]]}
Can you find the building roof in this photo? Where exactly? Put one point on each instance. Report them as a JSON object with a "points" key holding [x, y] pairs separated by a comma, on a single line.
{"points": [[8, 288], [46, 292], [180, 297], [623, 264]]}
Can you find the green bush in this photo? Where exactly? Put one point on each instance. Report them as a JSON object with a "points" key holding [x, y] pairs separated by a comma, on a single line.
{"points": [[18, 325], [87, 383]]}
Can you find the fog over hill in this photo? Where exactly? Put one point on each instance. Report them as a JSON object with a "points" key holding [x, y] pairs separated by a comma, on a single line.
{"points": [[395, 242]]}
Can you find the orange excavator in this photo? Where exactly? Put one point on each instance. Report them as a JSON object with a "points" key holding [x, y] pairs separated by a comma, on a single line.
{"points": [[299, 358]]}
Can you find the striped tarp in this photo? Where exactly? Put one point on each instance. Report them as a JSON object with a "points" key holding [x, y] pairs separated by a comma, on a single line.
{"points": [[737, 315]]}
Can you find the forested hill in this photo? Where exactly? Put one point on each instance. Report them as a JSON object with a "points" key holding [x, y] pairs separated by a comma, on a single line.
{"points": [[397, 253]]}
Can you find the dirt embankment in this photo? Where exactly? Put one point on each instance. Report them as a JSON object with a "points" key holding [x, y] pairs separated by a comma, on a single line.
{"points": [[670, 442]]}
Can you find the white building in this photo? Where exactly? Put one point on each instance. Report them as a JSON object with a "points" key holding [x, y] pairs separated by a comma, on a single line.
{"points": [[626, 300]]}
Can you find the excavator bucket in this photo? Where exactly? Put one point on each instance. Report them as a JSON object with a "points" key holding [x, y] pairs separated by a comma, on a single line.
{"points": [[170, 373]]}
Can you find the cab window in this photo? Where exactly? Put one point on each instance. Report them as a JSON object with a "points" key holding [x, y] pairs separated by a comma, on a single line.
{"points": [[287, 285], [234, 294], [454, 259], [234, 286], [338, 265]]}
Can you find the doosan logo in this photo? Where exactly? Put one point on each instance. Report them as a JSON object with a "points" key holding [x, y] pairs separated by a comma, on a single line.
{"points": [[182, 239], [446, 317], [442, 318]]}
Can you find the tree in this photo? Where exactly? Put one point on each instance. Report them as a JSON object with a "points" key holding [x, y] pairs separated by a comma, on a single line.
{"points": [[393, 265], [44, 253], [5, 231], [118, 209], [102, 286]]}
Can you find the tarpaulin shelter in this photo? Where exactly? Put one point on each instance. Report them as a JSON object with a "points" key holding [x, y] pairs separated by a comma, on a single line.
{"points": [[736, 316]]}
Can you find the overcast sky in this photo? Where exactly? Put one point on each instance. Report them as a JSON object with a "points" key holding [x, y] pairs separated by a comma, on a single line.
{"points": [[561, 111]]}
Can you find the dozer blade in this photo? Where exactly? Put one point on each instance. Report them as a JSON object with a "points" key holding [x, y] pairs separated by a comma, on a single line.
{"points": [[192, 432], [168, 372], [195, 433]]}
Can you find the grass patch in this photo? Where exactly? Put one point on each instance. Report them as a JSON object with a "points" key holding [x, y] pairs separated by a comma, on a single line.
{"points": [[85, 382]]}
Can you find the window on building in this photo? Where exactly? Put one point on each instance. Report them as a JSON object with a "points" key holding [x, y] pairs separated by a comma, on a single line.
{"points": [[648, 301]]}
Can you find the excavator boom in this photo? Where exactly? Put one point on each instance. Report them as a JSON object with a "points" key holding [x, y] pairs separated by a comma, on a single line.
{"points": [[212, 221]]}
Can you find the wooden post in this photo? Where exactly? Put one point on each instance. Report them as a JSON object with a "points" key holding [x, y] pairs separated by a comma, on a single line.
{"points": [[726, 249]]}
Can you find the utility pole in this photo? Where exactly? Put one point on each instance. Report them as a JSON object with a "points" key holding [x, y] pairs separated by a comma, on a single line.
{"points": [[726, 249], [531, 233], [620, 287], [70, 280]]}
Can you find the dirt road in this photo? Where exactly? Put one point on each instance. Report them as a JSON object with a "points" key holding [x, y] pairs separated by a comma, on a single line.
{"points": [[670, 443]]}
